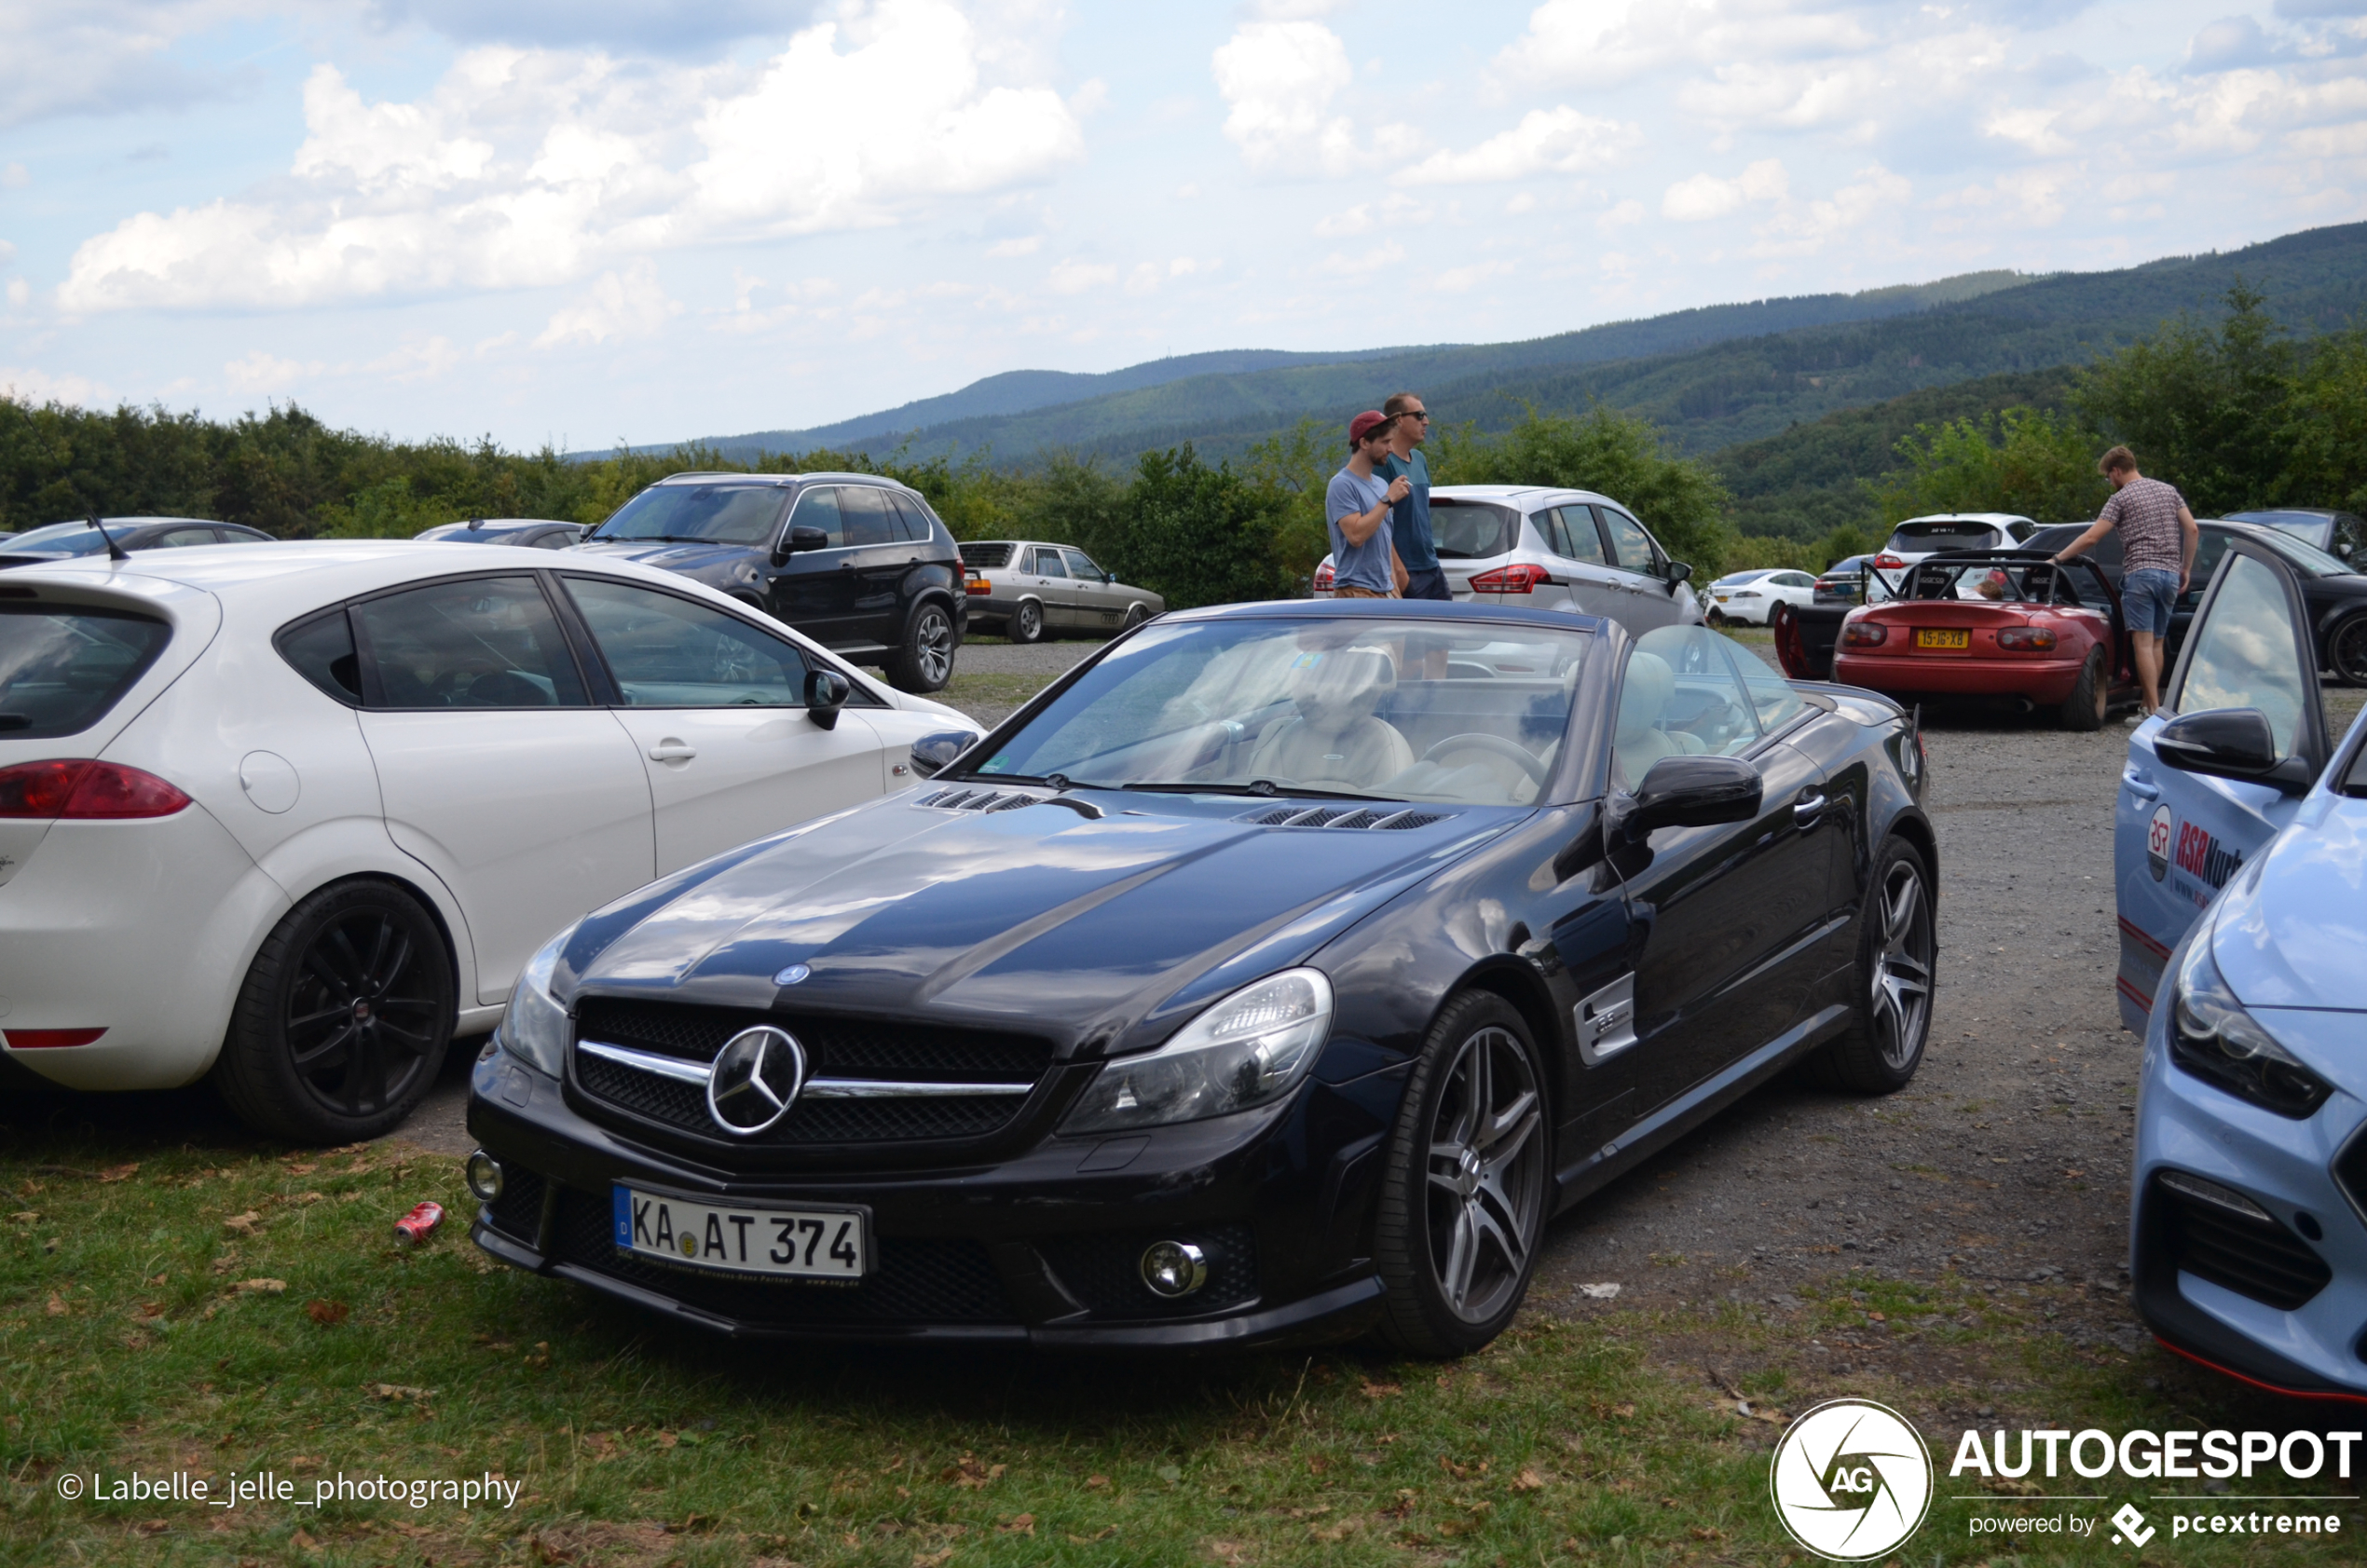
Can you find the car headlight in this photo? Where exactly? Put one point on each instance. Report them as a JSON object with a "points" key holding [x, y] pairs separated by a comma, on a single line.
{"points": [[1247, 1050], [2212, 1037], [533, 1028]]}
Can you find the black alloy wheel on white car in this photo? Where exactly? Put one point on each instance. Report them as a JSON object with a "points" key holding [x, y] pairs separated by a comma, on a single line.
{"points": [[925, 662], [1897, 967], [1027, 623], [344, 1019], [1464, 1192]]}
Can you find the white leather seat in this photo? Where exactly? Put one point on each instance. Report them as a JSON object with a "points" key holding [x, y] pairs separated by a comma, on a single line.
{"points": [[1334, 741], [1639, 742]]}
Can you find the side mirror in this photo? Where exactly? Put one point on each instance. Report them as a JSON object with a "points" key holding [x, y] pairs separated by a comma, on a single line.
{"points": [[825, 693], [2230, 744], [1686, 792], [932, 753], [800, 537], [1678, 572]]}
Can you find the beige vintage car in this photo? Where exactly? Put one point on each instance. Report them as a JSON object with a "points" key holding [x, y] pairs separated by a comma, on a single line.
{"points": [[1027, 592]]}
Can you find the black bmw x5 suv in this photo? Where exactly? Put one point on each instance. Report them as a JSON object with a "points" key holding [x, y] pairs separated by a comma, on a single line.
{"points": [[856, 562]]}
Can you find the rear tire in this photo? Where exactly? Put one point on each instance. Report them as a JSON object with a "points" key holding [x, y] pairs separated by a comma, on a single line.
{"points": [[1715, 620], [1897, 957], [1027, 623], [2347, 651], [344, 1018], [1465, 1187], [2084, 709], [925, 662]]}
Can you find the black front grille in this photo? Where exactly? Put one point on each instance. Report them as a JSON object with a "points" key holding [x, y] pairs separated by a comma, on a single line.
{"points": [[2253, 1257], [809, 1121], [1104, 1271], [912, 1281], [518, 1211]]}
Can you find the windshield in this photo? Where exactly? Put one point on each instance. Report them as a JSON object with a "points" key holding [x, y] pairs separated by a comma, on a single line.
{"points": [[2309, 557], [698, 515], [62, 668], [1385, 710], [1915, 538], [1469, 530], [65, 539], [2310, 526]]}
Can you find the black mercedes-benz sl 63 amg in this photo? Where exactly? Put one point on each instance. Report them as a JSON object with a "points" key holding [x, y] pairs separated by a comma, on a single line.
{"points": [[1278, 973]]}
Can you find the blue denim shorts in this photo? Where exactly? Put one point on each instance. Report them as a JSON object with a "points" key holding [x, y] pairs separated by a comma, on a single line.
{"points": [[2147, 597]]}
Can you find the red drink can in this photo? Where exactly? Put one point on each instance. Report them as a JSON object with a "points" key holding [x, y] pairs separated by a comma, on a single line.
{"points": [[414, 1226]]}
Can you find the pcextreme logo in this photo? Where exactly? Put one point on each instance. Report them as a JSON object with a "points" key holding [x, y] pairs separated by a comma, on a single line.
{"points": [[1851, 1479]]}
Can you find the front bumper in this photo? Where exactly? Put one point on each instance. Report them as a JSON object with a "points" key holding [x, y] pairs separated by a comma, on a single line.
{"points": [[2237, 1296], [2041, 680], [1037, 1248]]}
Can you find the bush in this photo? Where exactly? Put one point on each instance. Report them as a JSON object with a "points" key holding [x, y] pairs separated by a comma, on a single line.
{"points": [[1197, 535], [2040, 465]]}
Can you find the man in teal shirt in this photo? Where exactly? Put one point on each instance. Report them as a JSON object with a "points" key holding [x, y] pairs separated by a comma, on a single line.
{"points": [[1410, 520]]}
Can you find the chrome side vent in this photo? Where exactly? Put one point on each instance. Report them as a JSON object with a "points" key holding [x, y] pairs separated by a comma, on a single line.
{"points": [[979, 800], [1349, 817]]}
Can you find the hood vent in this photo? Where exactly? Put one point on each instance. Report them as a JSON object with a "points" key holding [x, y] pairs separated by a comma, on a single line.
{"points": [[1338, 817], [979, 800]]}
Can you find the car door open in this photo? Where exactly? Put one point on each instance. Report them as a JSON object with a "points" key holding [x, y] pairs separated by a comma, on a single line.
{"points": [[716, 709], [2177, 832]]}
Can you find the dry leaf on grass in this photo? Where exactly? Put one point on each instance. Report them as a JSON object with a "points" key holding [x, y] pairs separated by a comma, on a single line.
{"points": [[302, 1168], [262, 1286], [1095, 1483], [57, 1308], [243, 1224], [327, 1314], [1101, 1535], [1339, 1532], [304, 1541], [970, 1473], [1372, 1390], [120, 1173], [1018, 1524], [397, 1393], [931, 1558], [1527, 1480]]}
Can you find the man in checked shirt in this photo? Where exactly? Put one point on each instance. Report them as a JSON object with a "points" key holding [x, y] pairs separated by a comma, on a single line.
{"points": [[2157, 540]]}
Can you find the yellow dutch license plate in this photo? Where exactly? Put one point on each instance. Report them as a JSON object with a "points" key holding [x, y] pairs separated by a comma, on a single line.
{"points": [[1940, 637]]}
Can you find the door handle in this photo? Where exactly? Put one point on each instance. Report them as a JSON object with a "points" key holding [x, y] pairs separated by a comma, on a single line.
{"points": [[2140, 786], [1806, 810], [672, 750]]}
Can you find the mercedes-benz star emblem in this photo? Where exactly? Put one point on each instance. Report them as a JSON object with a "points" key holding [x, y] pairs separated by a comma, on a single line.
{"points": [[793, 975], [755, 1080]]}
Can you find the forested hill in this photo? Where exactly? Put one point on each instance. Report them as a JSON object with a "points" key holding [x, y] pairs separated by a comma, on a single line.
{"points": [[1345, 374], [1728, 387]]}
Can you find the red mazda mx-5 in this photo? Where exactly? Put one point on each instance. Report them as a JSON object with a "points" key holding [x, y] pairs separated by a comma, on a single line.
{"points": [[2003, 625]]}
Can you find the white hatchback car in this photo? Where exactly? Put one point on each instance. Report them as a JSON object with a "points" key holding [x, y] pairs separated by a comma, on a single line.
{"points": [[296, 814]]}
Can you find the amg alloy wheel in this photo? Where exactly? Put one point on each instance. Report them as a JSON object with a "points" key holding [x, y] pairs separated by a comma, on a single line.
{"points": [[344, 1019], [925, 662], [1463, 1201], [1897, 968]]}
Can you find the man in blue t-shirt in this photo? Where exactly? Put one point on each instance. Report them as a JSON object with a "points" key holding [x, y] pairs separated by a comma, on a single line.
{"points": [[1410, 520], [1356, 512]]}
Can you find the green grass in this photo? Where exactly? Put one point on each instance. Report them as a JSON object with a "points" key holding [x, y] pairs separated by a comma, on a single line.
{"points": [[129, 1337]]}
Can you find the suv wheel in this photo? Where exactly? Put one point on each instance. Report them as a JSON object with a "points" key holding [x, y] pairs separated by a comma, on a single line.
{"points": [[344, 1018], [925, 662]]}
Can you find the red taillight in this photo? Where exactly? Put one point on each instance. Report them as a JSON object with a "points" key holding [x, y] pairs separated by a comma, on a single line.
{"points": [[2036, 640], [1888, 562], [81, 790], [1323, 577], [44, 1039], [977, 585], [1865, 634], [1521, 576]]}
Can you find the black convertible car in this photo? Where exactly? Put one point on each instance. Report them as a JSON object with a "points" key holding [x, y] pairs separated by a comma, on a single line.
{"points": [[1278, 973]]}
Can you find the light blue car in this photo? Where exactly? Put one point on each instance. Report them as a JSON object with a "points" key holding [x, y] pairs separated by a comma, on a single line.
{"points": [[2240, 862]]}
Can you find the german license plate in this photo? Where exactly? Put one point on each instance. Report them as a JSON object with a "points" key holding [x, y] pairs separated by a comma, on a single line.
{"points": [[792, 1243], [1941, 637]]}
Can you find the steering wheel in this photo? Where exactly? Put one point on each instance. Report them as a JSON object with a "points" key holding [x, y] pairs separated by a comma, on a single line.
{"points": [[1495, 745]]}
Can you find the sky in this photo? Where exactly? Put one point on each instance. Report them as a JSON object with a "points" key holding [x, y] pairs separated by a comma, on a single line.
{"points": [[584, 222]]}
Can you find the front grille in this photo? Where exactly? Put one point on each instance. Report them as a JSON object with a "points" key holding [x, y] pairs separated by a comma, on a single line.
{"points": [[835, 1048], [1351, 817], [913, 1281], [2253, 1256], [518, 1211], [1104, 1271]]}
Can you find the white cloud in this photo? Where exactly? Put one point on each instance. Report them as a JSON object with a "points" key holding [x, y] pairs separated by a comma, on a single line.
{"points": [[1279, 79], [527, 167], [621, 305], [1003, 248], [1073, 277], [1462, 280], [7, 253], [1556, 141], [107, 57], [1356, 264], [20, 291], [1705, 195], [416, 361], [15, 177], [1523, 202], [258, 370], [28, 386]]}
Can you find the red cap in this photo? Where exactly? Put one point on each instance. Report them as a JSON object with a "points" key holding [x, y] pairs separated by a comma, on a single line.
{"points": [[1361, 426]]}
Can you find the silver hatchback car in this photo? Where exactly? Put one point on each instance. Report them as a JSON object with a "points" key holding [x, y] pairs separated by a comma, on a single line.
{"points": [[1539, 549], [1029, 591]]}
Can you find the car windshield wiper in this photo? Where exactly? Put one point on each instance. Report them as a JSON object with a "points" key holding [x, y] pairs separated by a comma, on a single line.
{"points": [[1263, 787]]}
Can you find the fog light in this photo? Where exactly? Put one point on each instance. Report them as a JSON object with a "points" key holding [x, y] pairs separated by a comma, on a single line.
{"points": [[485, 1176], [1174, 1268]]}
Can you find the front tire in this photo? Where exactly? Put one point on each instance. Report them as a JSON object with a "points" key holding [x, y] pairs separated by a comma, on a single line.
{"points": [[1896, 958], [2084, 709], [1463, 1194], [2347, 651], [344, 1018], [925, 662]]}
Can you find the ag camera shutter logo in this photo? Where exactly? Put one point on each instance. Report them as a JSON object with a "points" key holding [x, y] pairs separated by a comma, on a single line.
{"points": [[1851, 1479]]}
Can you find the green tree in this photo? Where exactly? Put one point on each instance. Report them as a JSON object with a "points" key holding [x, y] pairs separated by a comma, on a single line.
{"points": [[2206, 408], [2040, 465], [1198, 534]]}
